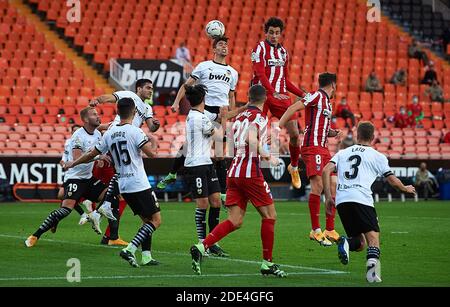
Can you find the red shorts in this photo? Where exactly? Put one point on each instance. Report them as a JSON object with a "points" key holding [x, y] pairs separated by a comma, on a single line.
{"points": [[315, 159], [241, 190], [277, 107], [104, 173]]}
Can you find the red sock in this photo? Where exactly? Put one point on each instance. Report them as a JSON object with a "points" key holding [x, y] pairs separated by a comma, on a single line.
{"points": [[330, 218], [122, 205], [94, 206], [295, 154], [218, 233], [267, 237], [314, 210]]}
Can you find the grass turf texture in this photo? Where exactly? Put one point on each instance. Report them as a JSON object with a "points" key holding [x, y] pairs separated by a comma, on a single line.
{"points": [[414, 251]]}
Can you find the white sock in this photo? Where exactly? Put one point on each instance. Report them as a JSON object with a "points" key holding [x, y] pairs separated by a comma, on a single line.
{"points": [[147, 254], [318, 230], [88, 204], [132, 248], [294, 168]]}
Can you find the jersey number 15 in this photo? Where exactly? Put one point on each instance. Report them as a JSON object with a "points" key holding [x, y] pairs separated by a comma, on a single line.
{"points": [[120, 151]]}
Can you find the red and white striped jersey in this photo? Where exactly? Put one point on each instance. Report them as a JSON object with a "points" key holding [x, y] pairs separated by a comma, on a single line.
{"points": [[270, 69], [246, 161], [318, 111]]}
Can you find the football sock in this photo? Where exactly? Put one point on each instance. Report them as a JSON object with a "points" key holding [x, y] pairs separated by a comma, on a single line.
{"points": [[53, 218], [267, 237], [221, 170], [113, 190], [147, 244], [330, 219], [78, 209], [178, 163], [112, 231], [354, 243], [213, 218], [314, 210], [200, 222], [373, 252], [144, 232], [294, 152], [219, 232]]}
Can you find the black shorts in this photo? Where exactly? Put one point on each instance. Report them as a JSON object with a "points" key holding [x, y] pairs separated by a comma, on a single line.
{"points": [[88, 188], [212, 109], [202, 180], [357, 218], [143, 203]]}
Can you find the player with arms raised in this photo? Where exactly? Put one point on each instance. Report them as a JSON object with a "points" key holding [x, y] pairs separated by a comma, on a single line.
{"points": [[270, 68], [245, 182], [315, 151]]}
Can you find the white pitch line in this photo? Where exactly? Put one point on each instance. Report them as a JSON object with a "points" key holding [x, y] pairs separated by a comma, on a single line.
{"points": [[318, 270], [151, 276], [399, 232]]}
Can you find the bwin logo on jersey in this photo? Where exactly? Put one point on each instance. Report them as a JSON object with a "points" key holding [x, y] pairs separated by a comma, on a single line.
{"points": [[223, 77], [275, 62], [278, 171]]}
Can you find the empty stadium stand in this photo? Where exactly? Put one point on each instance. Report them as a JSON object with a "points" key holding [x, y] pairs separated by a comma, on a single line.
{"points": [[41, 88]]}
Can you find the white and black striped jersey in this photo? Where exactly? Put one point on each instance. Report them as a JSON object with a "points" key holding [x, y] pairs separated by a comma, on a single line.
{"points": [[357, 168], [143, 110], [124, 142], [199, 127], [81, 139], [219, 79]]}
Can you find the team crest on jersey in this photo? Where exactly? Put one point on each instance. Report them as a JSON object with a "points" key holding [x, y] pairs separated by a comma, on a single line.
{"points": [[327, 113], [276, 62], [228, 72], [255, 57]]}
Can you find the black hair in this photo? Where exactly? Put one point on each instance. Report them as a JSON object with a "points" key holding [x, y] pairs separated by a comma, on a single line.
{"points": [[365, 131], [326, 78], [274, 22], [257, 93], [75, 127], [142, 83], [125, 107], [219, 39], [195, 94]]}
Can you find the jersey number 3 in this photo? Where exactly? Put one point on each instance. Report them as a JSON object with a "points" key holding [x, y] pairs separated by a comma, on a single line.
{"points": [[354, 167], [120, 151]]}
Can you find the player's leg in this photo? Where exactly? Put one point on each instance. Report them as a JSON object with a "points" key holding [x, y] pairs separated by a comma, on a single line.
{"points": [[221, 170], [97, 192], [111, 236], [330, 233], [236, 202], [178, 163], [107, 201], [215, 203], [294, 151], [145, 205], [373, 264], [52, 220], [314, 211]]}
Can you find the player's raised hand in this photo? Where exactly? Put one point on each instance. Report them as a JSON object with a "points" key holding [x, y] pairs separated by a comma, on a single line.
{"points": [[94, 102], [105, 158], [280, 96], [339, 134], [410, 189], [329, 203], [156, 125], [175, 107]]}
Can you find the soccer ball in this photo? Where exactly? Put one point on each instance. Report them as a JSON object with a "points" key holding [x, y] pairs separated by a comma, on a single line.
{"points": [[215, 28]]}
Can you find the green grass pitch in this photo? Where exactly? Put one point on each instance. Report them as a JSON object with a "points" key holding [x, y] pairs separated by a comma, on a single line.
{"points": [[414, 250]]}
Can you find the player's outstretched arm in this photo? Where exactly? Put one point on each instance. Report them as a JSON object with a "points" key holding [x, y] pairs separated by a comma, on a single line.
{"points": [[108, 98], [181, 93], [232, 100], [326, 180], [397, 184], [297, 106], [85, 158], [153, 124]]}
